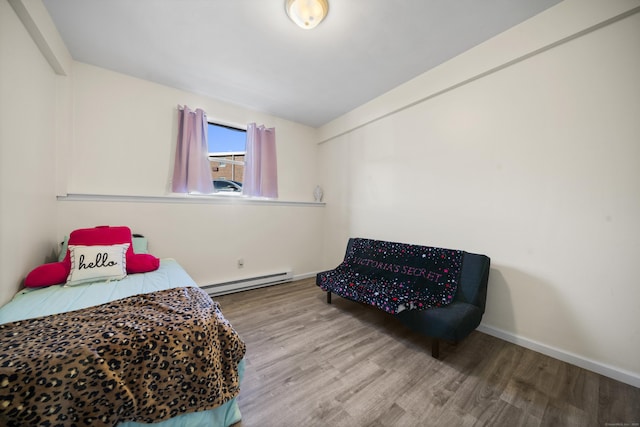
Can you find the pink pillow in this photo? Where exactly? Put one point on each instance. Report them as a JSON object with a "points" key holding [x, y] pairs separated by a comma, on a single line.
{"points": [[142, 263], [47, 275], [101, 235], [57, 272]]}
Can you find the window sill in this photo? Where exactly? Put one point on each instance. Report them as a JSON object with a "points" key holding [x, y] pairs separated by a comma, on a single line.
{"points": [[222, 199]]}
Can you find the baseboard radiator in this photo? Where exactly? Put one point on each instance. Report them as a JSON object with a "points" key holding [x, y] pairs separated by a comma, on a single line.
{"points": [[249, 283]]}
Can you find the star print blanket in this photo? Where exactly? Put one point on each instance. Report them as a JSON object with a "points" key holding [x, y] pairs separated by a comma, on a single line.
{"points": [[395, 276], [144, 358]]}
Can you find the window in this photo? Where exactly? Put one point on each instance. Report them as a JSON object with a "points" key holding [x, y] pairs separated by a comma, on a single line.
{"points": [[227, 148]]}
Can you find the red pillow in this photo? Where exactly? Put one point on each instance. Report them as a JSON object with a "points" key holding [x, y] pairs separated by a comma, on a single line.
{"points": [[57, 272], [141, 263], [101, 235], [46, 275]]}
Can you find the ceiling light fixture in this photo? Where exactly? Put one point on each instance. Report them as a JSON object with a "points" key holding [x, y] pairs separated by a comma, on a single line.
{"points": [[307, 13]]}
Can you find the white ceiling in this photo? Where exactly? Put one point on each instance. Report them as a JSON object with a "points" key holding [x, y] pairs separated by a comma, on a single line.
{"points": [[247, 52]]}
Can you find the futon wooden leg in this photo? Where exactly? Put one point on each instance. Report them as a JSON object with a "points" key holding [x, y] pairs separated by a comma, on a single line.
{"points": [[435, 348], [328, 297]]}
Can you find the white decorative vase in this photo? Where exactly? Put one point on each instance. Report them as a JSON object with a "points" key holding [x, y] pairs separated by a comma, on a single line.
{"points": [[318, 193]]}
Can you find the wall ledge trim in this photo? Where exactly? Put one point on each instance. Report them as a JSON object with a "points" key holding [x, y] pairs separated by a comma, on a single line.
{"points": [[188, 198], [613, 372]]}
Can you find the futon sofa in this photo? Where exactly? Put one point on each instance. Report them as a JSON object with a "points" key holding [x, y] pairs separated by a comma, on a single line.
{"points": [[437, 292]]}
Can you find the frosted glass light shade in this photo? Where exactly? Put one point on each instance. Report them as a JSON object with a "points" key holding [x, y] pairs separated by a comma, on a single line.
{"points": [[307, 13]]}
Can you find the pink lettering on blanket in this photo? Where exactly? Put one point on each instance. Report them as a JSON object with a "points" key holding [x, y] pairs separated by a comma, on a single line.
{"points": [[395, 276], [398, 268]]}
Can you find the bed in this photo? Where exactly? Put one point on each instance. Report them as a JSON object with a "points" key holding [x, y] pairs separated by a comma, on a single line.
{"points": [[150, 348]]}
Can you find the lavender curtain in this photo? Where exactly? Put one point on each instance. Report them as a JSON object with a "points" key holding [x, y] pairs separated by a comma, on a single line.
{"points": [[260, 167], [192, 171]]}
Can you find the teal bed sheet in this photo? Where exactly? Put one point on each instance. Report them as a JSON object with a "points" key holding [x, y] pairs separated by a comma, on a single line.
{"points": [[36, 302]]}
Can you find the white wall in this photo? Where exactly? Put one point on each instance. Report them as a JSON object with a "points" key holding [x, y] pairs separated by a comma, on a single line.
{"points": [[124, 132], [208, 239], [536, 164], [129, 126], [28, 133]]}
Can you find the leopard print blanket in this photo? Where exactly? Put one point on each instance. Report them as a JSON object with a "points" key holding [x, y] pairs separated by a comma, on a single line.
{"points": [[145, 358]]}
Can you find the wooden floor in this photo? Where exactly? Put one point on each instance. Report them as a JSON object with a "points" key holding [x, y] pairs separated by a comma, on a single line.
{"points": [[345, 364]]}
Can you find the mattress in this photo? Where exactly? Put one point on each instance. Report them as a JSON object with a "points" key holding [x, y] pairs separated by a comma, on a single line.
{"points": [[37, 302]]}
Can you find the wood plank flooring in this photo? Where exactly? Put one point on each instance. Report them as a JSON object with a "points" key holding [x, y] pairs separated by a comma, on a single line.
{"points": [[309, 363]]}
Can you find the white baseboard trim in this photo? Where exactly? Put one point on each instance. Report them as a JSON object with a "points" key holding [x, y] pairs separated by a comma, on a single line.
{"points": [[621, 375]]}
